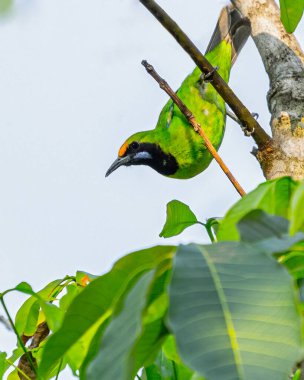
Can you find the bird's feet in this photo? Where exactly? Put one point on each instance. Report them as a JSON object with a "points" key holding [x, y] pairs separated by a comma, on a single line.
{"points": [[244, 128], [207, 78]]}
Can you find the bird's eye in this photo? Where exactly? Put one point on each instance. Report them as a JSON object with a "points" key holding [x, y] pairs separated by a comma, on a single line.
{"points": [[134, 145]]}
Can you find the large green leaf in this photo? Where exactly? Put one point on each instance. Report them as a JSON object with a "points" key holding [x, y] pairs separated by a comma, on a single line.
{"points": [[113, 359], [297, 210], [153, 329], [269, 233], [97, 301], [258, 225], [233, 313], [272, 197], [291, 13], [179, 217]]}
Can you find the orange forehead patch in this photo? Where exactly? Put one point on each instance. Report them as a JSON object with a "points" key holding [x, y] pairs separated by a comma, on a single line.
{"points": [[123, 149]]}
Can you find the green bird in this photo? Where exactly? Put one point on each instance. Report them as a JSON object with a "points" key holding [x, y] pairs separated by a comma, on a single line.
{"points": [[173, 148]]}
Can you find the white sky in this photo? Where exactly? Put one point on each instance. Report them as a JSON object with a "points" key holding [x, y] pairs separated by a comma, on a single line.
{"points": [[71, 90]]}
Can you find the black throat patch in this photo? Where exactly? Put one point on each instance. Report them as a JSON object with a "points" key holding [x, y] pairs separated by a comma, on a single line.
{"points": [[152, 155]]}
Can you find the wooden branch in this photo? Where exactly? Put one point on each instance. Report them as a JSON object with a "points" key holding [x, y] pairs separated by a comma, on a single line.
{"points": [[196, 126], [41, 333], [261, 138]]}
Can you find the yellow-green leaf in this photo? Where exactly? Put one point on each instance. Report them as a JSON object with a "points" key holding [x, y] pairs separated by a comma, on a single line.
{"points": [[291, 13]]}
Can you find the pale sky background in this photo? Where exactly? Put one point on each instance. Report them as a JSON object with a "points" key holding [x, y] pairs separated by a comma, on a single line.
{"points": [[71, 90]]}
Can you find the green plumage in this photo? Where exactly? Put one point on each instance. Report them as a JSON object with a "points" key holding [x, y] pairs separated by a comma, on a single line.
{"points": [[173, 148], [174, 134]]}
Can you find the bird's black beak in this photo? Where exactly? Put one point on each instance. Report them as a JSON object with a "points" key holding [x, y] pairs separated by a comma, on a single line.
{"points": [[117, 163]]}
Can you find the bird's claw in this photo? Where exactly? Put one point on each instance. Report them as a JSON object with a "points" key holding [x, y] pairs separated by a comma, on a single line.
{"points": [[247, 132], [207, 78], [245, 129]]}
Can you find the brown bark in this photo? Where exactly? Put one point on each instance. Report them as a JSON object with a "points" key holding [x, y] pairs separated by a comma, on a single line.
{"points": [[41, 333], [283, 59]]}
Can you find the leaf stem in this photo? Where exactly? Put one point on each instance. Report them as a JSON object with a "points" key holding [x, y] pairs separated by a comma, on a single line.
{"points": [[59, 369], [210, 234]]}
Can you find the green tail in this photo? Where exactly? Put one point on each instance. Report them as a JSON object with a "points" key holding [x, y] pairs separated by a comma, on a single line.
{"points": [[231, 27]]}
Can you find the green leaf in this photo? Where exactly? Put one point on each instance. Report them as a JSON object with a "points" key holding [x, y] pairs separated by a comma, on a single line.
{"points": [[2, 363], [157, 309], [5, 6], [258, 225], [93, 347], [294, 261], [270, 234], [184, 373], [17, 353], [83, 278], [13, 375], [97, 301], [72, 291], [27, 316], [24, 287], [291, 13], [154, 331], [272, 197], [297, 375], [53, 315], [113, 359], [80, 351], [148, 344], [296, 212], [233, 313], [162, 369], [179, 217]]}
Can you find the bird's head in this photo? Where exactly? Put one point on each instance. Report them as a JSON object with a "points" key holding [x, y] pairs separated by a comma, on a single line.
{"points": [[145, 148]]}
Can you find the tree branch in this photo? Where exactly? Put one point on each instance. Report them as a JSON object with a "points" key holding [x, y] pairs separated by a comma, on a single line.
{"points": [[283, 60], [248, 121], [41, 333], [196, 126]]}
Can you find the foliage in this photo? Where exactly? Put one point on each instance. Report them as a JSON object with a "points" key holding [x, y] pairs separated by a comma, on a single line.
{"points": [[215, 311], [5, 6], [179, 217], [291, 13]]}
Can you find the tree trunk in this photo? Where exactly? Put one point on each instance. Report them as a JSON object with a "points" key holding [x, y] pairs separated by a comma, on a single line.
{"points": [[283, 60]]}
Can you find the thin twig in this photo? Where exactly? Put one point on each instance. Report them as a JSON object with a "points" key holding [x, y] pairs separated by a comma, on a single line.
{"points": [[261, 138], [191, 119]]}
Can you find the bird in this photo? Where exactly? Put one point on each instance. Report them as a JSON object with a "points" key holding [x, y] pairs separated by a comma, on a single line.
{"points": [[173, 148]]}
